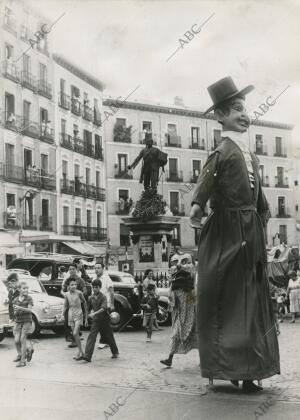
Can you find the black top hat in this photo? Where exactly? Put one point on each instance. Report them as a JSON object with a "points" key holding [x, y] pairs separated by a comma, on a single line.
{"points": [[148, 136], [223, 90]]}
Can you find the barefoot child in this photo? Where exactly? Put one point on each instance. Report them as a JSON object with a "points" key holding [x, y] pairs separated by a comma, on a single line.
{"points": [[22, 306], [76, 317], [150, 305]]}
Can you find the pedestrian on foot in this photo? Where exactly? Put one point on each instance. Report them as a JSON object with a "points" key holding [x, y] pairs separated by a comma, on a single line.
{"points": [[99, 315], [149, 305], [22, 306], [183, 302], [293, 291], [74, 302]]}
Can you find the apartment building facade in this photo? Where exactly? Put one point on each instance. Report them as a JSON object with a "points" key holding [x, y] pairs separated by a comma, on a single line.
{"points": [[80, 154], [28, 150], [52, 176], [189, 137]]}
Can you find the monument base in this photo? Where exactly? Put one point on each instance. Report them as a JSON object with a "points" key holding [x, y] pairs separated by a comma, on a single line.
{"points": [[151, 242]]}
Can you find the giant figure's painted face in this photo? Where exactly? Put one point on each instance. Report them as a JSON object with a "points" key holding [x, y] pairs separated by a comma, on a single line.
{"points": [[181, 262]]}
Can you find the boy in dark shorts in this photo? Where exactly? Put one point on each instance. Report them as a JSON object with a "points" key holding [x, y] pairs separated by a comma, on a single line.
{"points": [[100, 323], [22, 306]]}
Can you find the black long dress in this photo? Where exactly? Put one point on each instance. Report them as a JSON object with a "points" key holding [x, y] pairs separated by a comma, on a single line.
{"points": [[237, 337]]}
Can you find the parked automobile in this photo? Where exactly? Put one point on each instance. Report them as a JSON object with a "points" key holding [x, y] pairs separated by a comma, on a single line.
{"points": [[47, 310], [127, 293], [4, 317]]}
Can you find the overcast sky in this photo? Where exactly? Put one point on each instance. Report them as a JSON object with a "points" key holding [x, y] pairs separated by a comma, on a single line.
{"points": [[127, 44]]}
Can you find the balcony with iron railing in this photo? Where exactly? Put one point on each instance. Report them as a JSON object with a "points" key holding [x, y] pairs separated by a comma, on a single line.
{"points": [[64, 101], [30, 128], [67, 186], [261, 150], [11, 220], [76, 106], [85, 232], [78, 146], [197, 144], [87, 113], [172, 140], [97, 118], [39, 178], [82, 190], [12, 121], [47, 181], [88, 149], [123, 173], [31, 176], [46, 223], [10, 71], [66, 141], [283, 212], [28, 81], [280, 152], [29, 222], [10, 24], [44, 88], [265, 181], [46, 133], [12, 173], [174, 176], [178, 210], [281, 182]]}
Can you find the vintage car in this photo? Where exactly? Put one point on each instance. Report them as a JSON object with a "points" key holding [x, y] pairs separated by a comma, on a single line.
{"points": [[47, 310], [4, 318], [127, 294]]}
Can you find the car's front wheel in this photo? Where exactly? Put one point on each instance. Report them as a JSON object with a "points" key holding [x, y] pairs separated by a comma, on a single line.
{"points": [[2, 336]]}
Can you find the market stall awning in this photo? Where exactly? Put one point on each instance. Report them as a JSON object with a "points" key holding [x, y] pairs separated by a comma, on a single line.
{"points": [[84, 248]]}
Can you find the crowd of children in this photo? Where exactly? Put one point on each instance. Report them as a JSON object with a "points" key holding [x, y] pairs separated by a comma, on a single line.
{"points": [[97, 307]]}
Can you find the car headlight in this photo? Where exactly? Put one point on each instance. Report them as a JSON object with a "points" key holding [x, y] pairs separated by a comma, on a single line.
{"points": [[46, 308], [136, 291]]}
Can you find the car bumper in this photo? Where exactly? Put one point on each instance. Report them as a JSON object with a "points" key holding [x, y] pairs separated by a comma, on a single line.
{"points": [[51, 322]]}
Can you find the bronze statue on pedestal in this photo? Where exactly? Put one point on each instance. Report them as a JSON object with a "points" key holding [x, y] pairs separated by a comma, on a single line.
{"points": [[153, 159]]}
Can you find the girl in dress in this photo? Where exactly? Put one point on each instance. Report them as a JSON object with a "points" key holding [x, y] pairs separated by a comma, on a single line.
{"points": [[293, 291]]}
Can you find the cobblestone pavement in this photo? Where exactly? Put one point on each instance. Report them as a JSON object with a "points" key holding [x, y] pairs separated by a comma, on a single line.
{"points": [[50, 386]]}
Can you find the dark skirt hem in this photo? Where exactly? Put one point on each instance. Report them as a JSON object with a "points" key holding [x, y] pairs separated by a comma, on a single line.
{"points": [[231, 376]]}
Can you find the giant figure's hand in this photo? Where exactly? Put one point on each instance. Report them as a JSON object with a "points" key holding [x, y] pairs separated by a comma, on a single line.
{"points": [[196, 216]]}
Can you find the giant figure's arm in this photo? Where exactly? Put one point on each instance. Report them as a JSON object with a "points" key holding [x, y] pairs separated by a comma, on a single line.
{"points": [[204, 188]]}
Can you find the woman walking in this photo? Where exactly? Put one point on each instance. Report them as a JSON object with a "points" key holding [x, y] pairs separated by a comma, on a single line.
{"points": [[183, 336], [293, 291]]}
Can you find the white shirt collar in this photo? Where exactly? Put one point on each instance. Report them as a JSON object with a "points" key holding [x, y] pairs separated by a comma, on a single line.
{"points": [[241, 139]]}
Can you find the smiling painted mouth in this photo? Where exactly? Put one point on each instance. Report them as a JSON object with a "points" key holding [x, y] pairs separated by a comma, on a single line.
{"points": [[244, 123]]}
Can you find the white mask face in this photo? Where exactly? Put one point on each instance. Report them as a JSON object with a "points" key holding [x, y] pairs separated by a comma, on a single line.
{"points": [[181, 262]]}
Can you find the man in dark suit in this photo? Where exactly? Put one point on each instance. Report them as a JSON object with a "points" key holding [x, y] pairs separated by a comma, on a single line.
{"points": [[150, 168]]}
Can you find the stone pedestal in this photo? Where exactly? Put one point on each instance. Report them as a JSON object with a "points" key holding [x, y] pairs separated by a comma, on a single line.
{"points": [[151, 241]]}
